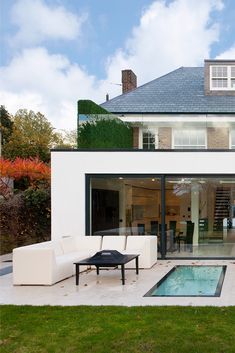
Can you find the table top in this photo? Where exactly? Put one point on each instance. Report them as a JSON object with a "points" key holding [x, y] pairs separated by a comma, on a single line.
{"points": [[109, 260]]}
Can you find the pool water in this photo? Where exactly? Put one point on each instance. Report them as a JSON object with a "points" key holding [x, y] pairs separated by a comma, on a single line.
{"points": [[190, 281]]}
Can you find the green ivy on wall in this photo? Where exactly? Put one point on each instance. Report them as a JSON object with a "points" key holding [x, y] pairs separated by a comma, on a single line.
{"points": [[88, 107], [101, 129]]}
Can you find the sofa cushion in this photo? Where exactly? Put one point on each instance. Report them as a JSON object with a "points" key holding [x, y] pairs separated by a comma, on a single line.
{"points": [[55, 245], [132, 264], [72, 257], [65, 263], [132, 252], [135, 241], [144, 245], [90, 243], [114, 242], [68, 244]]}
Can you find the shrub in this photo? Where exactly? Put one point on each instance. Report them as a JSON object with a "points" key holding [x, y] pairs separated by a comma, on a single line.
{"points": [[25, 213], [25, 219]]}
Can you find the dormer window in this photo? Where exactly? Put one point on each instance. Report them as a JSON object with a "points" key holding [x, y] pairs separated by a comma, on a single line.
{"points": [[219, 77], [222, 77]]}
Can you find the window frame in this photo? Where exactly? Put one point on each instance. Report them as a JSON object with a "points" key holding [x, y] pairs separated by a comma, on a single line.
{"points": [[229, 78], [200, 147], [151, 130], [232, 143]]}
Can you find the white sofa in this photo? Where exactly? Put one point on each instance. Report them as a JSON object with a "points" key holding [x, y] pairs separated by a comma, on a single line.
{"points": [[114, 242], [146, 246], [52, 261]]}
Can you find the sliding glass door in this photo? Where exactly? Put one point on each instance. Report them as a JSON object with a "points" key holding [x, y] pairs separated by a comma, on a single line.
{"points": [[125, 205], [200, 215], [193, 216]]}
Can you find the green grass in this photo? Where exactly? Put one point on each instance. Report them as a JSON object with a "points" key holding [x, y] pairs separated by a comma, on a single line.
{"points": [[103, 329]]}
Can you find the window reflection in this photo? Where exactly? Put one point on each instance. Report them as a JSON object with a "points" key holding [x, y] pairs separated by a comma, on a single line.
{"points": [[203, 212], [199, 212]]}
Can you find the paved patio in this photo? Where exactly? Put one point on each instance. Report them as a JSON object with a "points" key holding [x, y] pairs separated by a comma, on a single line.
{"points": [[106, 289]]}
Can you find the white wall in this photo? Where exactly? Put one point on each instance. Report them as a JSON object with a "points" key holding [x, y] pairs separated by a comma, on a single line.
{"points": [[69, 169]]}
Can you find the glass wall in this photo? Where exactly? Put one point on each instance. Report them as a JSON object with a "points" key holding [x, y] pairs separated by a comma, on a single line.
{"points": [[199, 212], [164, 132], [125, 206]]}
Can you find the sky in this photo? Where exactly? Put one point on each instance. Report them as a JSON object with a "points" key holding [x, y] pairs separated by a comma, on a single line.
{"points": [[55, 52]]}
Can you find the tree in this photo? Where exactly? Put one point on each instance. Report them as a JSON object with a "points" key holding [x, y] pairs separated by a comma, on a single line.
{"points": [[104, 132], [32, 136], [33, 170], [68, 139], [6, 126], [25, 212]]}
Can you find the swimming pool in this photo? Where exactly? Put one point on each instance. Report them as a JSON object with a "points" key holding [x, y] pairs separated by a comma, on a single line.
{"points": [[190, 281]]}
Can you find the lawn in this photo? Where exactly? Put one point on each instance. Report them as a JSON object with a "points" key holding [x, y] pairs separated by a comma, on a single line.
{"points": [[103, 329]]}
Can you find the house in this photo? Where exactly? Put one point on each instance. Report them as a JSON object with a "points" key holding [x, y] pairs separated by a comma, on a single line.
{"points": [[177, 182]]}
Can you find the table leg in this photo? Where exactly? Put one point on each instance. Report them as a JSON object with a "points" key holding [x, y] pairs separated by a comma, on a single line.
{"points": [[137, 264], [97, 270], [77, 275], [123, 274]]}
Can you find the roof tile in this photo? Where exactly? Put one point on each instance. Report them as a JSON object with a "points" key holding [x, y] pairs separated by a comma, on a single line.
{"points": [[180, 91]]}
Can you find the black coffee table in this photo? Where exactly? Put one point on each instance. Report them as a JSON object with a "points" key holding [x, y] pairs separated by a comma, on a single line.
{"points": [[108, 258]]}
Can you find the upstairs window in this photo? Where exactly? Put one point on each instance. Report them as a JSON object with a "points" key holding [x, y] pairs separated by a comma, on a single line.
{"points": [[189, 139], [219, 77], [222, 77], [233, 77], [148, 140], [233, 139]]}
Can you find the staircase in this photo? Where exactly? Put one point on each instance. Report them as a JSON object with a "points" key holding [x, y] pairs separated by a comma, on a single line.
{"points": [[222, 206]]}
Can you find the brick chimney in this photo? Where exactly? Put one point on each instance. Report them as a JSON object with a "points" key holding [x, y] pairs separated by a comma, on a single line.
{"points": [[129, 81]]}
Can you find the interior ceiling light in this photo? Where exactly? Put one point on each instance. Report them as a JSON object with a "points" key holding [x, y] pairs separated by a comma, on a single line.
{"points": [[179, 181]]}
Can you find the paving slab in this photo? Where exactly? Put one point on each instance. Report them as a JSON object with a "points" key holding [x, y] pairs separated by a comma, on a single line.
{"points": [[107, 288]]}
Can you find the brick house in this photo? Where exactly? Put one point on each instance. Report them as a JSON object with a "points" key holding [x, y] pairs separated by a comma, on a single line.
{"points": [[191, 107], [178, 181]]}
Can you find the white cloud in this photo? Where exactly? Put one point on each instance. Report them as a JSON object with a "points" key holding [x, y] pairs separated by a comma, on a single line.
{"points": [[48, 83], [37, 22], [168, 36], [228, 54]]}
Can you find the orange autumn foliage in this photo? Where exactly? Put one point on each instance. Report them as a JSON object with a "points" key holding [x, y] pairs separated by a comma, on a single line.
{"points": [[31, 168]]}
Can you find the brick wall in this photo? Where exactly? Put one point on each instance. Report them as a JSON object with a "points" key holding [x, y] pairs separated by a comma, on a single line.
{"points": [[129, 81], [135, 137], [164, 138], [217, 138]]}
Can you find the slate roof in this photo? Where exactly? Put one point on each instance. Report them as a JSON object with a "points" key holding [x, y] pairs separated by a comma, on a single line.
{"points": [[180, 91]]}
